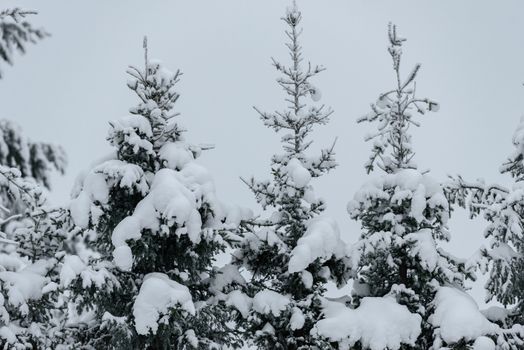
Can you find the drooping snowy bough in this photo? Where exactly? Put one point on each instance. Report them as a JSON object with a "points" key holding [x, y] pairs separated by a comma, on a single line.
{"points": [[16, 33]]}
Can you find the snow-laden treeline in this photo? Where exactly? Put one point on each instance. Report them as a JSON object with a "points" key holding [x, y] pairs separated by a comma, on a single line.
{"points": [[131, 261]]}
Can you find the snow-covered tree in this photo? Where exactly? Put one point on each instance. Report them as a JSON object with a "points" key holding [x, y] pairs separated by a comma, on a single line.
{"points": [[32, 234], [152, 226], [407, 289], [31, 255], [16, 33], [290, 251], [506, 229], [35, 161], [503, 209]]}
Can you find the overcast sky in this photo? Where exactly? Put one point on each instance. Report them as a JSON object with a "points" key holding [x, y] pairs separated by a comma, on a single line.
{"points": [[67, 88]]}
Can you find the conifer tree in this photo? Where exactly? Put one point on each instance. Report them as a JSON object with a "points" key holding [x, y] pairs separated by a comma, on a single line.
{"points": [[152, 226], [503, 209], [399, 264], [506, 229], [36, 161], [32, 233], [16, 33], [291, 251], [32, 249]]}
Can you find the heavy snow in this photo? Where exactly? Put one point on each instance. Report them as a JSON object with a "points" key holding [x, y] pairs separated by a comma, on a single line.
{"points": [[321, 240], [169, 202], [377, 324], [157, 295], [268, 301], [299, 175], [457, 317]]}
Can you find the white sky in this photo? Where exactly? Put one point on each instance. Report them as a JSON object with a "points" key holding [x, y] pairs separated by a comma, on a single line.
{"points": [[68, 87]]}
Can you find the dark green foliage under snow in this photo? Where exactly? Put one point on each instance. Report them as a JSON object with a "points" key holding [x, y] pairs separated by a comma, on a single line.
{"points": [[130, 262], [152, 225], [16, 33], [288, 278]]}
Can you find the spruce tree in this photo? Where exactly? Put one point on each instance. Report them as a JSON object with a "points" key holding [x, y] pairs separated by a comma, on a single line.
{"points": [[152, 226], [290, 251], [503, 261], [32, 233], [16, 33], [506, 230], [404, 215], [32, 249], [36, 161]]}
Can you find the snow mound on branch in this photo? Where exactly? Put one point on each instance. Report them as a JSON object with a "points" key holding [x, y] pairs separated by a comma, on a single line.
{"points": [[8, 334], [424, 247], [239, 301], [169, 202], [457, 317], [297, 319], [496, 313], [264, 235], [94, 188], [321, 240], [298, 173], [124, 174], [157, 295], [226, 276], [198, 179], [503, 251], [134, 123], [73, 266], [78, 185], [378, 323], [22, 286], [268, 301], [483, 343], [176, 155], [134, 130]]}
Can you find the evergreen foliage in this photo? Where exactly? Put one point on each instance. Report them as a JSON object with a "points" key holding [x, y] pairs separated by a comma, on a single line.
{"points": [[16, 33], [152, 227], [292, 252], [32, 248], [36, 161], [503, 209], [404, 215]]}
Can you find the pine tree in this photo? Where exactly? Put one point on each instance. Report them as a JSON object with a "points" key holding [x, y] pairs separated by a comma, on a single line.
{"points": [[31, 253], [152, 227], [16, 33], [32, 234], [292, 252], [404, 216], [36, 161], [503, 209], [506, 282]]}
